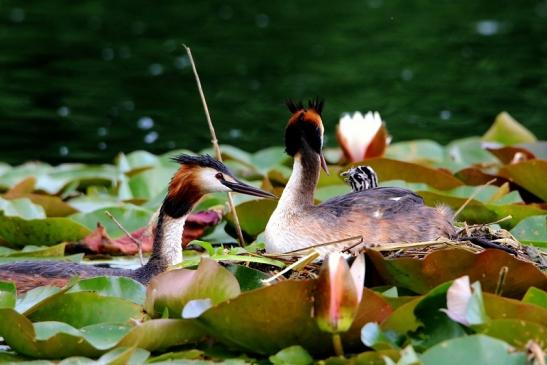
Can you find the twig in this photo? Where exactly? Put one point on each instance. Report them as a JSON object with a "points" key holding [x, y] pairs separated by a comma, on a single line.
{"points": [[214, 141], [478, 190], [291, 253], [136, 241], [501, 280], [294, 266]]}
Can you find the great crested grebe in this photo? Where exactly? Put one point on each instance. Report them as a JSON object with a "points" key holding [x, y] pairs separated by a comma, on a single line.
{"points": [[379, 215], [197, 176]]}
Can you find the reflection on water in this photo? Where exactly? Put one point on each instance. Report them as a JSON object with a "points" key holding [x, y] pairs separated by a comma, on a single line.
{"points": [[84, 80]]}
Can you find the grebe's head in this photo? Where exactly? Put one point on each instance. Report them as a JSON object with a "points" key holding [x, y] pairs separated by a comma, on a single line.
{"points": [[305, 127], [200, 175]]}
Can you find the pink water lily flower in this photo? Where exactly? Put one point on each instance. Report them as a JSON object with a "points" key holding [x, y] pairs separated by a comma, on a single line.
{"points": [[362, 136]]}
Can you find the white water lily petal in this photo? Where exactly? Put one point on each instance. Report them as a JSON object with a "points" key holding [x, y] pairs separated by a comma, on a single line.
{"points": [[357, 270], [356, 132], [457, 299]]}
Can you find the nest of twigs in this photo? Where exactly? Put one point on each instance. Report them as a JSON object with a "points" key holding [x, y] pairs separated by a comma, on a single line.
{"points": [[475, 238]]}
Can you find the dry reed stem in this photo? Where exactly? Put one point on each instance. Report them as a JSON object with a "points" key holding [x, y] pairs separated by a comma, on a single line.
{"points": [[214, 141], [136, 241], [478, 190]]}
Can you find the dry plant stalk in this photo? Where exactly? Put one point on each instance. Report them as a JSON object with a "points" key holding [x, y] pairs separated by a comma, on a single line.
{"points": [[136, 241], [214, 141], [473, 196]]}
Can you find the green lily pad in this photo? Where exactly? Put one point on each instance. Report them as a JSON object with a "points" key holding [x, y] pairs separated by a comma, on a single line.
{"points": [[269, 319], [22, 208], [80, 309], [8, 294], [532, 231], [467, 151], [535, 296], [247, 277], [151, 182], [505, 308], [37, 251], [170, 291], [531, 175], [113, 286], [515, 332], [42, 232], [59, 340], [36, 298], [254, 215], [130, 216], [294, 355], [508, 131], [421, 151], [476, 349], [421, 275], [136, 161]]}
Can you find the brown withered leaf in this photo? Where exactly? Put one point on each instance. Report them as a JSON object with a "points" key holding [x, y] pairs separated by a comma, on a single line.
{"points": [[101, 243]]}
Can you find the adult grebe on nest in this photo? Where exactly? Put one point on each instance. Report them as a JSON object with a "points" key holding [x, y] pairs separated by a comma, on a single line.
{"points": [[379, 215], [197, 176]]}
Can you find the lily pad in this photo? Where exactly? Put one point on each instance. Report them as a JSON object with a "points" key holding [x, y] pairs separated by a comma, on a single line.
{"points": [[508, 131], [398, 170], [536, 296], [421, 151], [269, 319], [50, 231], [22, 208], [515, 332], [59, 340], [170, 291], [80, 309], [130, 216], [8, 294], [532, 231], [477, 349], [421, 275], [531, 175], [38, 251], [113, 286], [254, 215]]}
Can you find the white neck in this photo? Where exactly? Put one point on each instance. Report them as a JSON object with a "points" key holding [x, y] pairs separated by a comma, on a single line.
{"points": [[297, 192], [171, 248]]}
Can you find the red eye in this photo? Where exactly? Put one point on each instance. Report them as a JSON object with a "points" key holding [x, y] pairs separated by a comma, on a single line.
{"points": [[219, 176]]}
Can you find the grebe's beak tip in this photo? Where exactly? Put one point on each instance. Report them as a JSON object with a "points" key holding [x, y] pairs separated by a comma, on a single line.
{"points": [[241, 187]]}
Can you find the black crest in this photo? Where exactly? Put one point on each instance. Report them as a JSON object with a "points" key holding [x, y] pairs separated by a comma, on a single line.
{"points": [[302, 132], [201, 160], [315, 104]]}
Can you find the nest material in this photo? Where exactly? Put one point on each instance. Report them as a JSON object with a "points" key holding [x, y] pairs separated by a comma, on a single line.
{"points": [[475, 238]]}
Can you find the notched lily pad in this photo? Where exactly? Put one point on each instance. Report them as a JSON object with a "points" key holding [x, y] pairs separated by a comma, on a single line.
{"points": [[421, 275]]}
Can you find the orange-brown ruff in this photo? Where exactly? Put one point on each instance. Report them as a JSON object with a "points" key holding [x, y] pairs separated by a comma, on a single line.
{"points": [[380, 215]]}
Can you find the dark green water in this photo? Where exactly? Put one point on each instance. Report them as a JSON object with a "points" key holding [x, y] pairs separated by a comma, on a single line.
{"points": [[83, 80]]}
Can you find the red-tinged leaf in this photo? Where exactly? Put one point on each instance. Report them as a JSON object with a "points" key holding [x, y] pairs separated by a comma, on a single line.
{"points": [[475, 176], [336, 298], [99, 241], [531, 175], [504, 308], [421, 275], [398, 170], [510, 154]]}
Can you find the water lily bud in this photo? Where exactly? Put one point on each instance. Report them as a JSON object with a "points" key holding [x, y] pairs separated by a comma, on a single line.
{"points": [[336, 299], [362, 136]]}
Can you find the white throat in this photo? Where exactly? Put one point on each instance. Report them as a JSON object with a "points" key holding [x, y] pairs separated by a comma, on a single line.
{"points": [[172, 239], [292, 197]]}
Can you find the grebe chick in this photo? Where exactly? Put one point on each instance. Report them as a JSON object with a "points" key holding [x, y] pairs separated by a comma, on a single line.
{"points": [[379, 215], [361, 178], [197, 176]]}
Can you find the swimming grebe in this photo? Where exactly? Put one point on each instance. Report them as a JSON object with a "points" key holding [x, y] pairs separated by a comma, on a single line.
{"points": [[197, 176], [379, 215]]}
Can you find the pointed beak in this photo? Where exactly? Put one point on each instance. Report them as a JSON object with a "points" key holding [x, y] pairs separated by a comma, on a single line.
{"points": [[243, 188], [324, 163]]}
